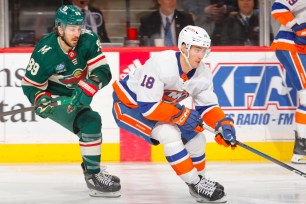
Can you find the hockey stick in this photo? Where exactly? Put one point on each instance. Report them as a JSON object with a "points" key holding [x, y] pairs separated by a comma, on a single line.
{"points": [[251, 149], [271, 159], [32, 108]]}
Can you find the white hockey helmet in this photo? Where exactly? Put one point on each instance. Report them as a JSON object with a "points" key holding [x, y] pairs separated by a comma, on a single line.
{"points": [[193, 35]]}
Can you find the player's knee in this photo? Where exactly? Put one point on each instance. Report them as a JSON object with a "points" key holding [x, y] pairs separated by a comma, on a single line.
{"points": [[197, 145], [302, 96], [90, 122], [166, 133]]}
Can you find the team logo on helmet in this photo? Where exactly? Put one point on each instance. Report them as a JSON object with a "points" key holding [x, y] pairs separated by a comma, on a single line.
{"points": [[69, 15], [63, 10], [191, 29]]}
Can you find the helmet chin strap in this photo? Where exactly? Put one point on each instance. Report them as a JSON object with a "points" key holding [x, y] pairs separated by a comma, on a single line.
{"points": [[186, 59]]}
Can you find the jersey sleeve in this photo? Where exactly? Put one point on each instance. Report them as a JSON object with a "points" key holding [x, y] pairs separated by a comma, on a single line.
{"points": [[97, 62], [281, 12], [35, 81], [206, 101], [150, 94]]}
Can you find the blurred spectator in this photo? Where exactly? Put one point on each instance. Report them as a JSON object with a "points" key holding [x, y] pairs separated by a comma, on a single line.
{"points": [[94, 19], [242, 28], [165, 23], [24, 38], [209, 14]]}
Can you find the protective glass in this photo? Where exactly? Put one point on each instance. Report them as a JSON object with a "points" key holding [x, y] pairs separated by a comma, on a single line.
{"points": [[92, 19]]}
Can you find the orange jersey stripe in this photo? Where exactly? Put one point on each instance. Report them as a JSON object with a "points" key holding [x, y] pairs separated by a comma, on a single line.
{"points": [[123, 98], [283, 46], [163, 112], [213, 116], [283, 17], [300, 118], [299, 68], [183, 167], [287, 46], [131, 121]]}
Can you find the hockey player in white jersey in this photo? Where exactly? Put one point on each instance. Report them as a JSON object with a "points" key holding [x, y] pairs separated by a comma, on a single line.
{"points": [[146, 103], [290, 46]]}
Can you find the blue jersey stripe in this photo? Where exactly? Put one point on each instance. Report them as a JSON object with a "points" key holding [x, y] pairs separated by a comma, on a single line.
{"points": [[277, 6], [201, 109], [123, 82], [145, 106], [177, 156]]}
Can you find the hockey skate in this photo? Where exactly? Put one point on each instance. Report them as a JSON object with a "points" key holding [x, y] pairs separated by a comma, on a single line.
{"points": [[213, 183], [299, 151], [101, 184], [205, 193], [103, 170]]}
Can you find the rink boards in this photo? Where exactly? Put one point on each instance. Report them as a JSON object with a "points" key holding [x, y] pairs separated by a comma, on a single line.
{"points": [[253, 88]]}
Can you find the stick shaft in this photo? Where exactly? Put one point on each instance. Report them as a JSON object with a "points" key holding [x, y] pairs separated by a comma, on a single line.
{"points": [[251, 149], [13, 112], [271, 159], [32, 108]]}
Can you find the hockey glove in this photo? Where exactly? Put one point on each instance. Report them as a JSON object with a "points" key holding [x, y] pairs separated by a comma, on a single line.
{"points": [[300, 29], [83, 94], [226, 133], [188, 119], [43, 107]]}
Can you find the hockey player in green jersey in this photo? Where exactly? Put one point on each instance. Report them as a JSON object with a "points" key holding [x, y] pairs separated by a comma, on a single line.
{"points": [[67, 64]]}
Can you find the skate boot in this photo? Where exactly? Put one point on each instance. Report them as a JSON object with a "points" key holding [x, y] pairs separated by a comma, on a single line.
{"points": [[102, 185], [112, 177], [204, 193], [299, 151], [213, 183]]}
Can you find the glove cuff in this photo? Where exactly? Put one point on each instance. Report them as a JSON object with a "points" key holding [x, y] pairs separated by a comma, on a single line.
{"points": [[39, 95], [224, 121], [96, 80], [182, 116], [89, 89], [219, 139]]}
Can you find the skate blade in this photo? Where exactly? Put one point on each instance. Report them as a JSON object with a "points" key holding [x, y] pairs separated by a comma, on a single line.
{"points": [[298, 159], [95, 193], [204, 200]]}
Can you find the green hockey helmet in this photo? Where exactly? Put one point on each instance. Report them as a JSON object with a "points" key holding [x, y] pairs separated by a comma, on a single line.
{"points": [[68, 15]]}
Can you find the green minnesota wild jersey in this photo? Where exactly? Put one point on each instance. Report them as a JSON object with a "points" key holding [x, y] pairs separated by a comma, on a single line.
{"points": [[52, 71]]}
